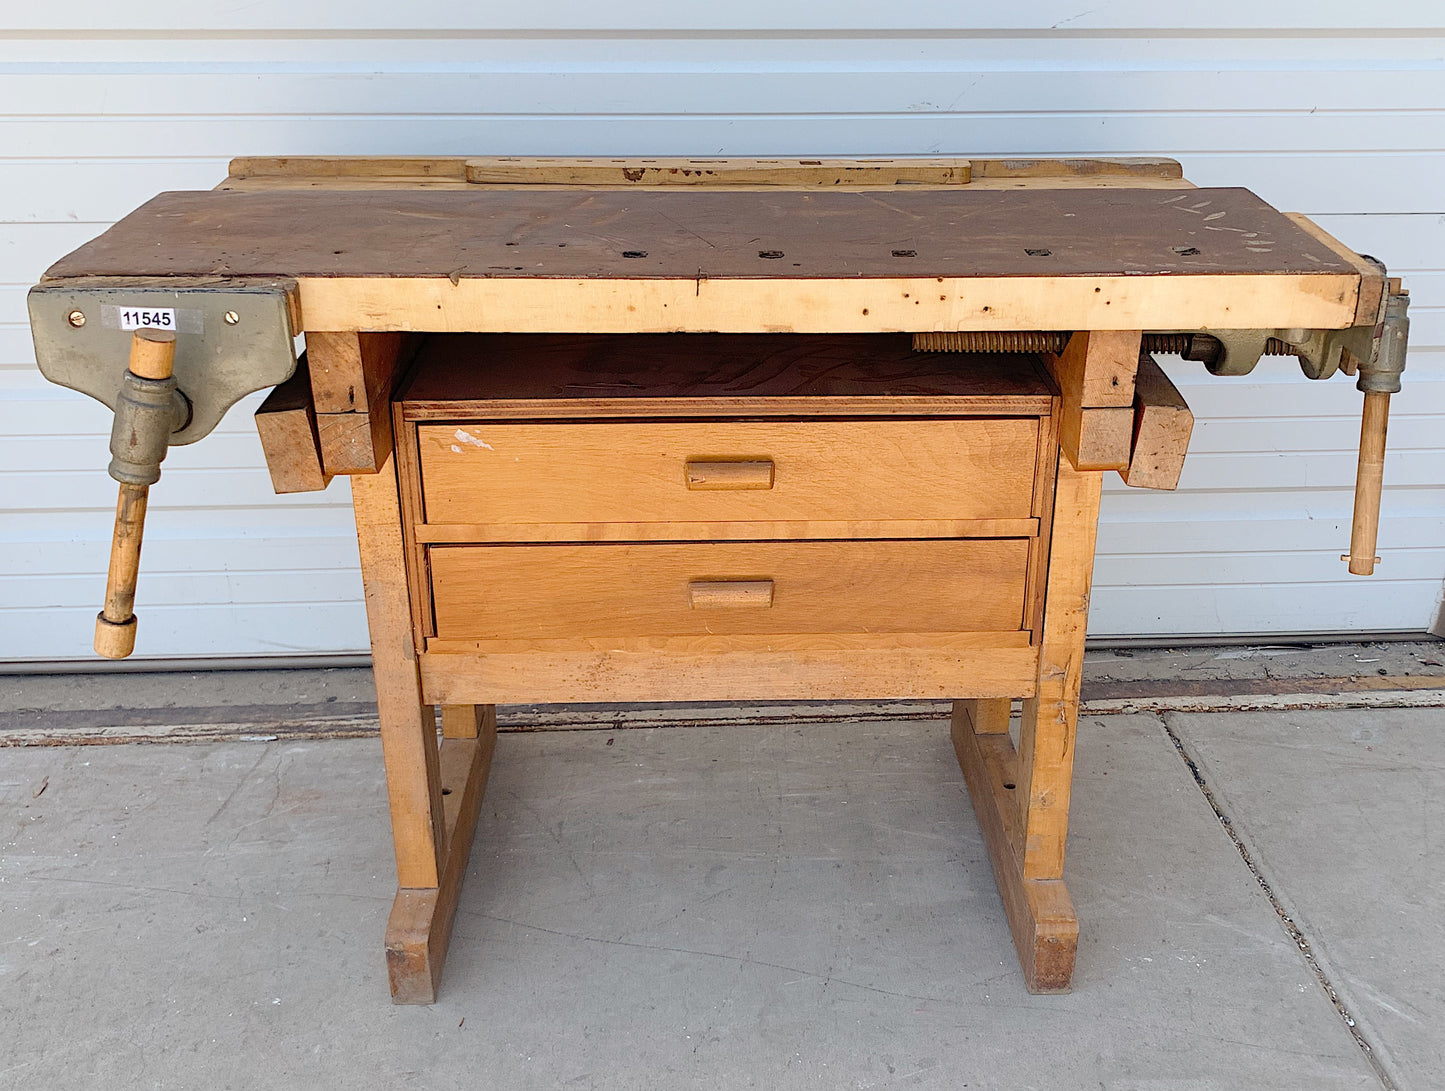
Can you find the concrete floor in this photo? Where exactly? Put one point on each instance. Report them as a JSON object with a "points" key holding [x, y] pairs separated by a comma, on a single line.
{"points": [[772, 905]]}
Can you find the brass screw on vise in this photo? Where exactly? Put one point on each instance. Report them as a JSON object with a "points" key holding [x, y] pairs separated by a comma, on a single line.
{"points": [[76, 318]]}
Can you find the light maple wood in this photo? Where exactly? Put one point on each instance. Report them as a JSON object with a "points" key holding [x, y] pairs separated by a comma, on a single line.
{"points": [[702, 475], [381, 182], [468, 721], [987, 717], [1050, 718], [1097, 438], [1095, 373], [350, 371], [900, 304], [1371, 300], [408, 722], [152, 354], [602, 590], [1096, 368], [1040, 912], [724, 530], [351, 381], [1162, 426], [1047, 461], [555, 170], [790, 173], [730, 594], [419, 928], [286, 423], [635, 471], [958, 643], [1369, 482], [813, 668], [115, 625]]}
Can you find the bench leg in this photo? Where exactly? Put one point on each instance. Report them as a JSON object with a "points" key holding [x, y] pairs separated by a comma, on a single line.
{"points": [[434, 790], [420, 925], [1021, 795]]}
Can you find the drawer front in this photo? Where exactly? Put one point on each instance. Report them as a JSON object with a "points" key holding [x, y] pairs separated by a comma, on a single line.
{"points": [[581, 592], [643, 472]]}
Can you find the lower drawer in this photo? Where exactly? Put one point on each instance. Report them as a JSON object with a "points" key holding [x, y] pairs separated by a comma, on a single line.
{"points": [[660, 589]]}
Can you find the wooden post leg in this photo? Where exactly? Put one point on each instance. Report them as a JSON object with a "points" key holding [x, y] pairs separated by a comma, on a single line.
{"points": [[1022, 797], [420, 926], [435, 791]]}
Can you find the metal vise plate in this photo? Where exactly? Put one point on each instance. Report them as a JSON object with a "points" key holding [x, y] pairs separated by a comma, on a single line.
{"points": [[232, 337]]}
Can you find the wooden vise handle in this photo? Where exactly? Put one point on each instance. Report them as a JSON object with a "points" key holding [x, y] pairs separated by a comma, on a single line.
{"points": [[1369, 481], [152, 355]]}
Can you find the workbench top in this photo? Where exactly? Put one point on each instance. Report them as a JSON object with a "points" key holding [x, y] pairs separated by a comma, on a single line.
{"points": [[648, 234]]}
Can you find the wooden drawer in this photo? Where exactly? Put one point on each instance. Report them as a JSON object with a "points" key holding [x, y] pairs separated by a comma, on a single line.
{"points": [[662, 589], [647, 472]]}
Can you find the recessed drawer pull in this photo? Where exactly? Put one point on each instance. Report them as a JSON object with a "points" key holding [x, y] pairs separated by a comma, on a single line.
{"points": [[755, 474], [713, 594]]}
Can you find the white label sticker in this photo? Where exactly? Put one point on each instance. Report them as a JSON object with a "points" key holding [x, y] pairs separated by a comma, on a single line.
{"points": [[147, 318]]}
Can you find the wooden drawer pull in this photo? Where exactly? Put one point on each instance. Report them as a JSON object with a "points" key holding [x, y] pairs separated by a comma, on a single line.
{"points": [[712, 594], [757, 474]]}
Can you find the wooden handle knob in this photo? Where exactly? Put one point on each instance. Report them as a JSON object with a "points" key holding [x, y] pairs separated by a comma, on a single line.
{"points": [[152, 353], [1369, 481], [730, 594], [152, 356], [729, 474]]}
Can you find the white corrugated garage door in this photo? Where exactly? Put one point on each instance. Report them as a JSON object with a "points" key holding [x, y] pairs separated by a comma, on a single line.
{"points": [[1342, 122]]}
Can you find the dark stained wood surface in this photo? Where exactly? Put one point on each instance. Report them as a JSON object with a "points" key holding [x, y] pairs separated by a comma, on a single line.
{"points": [[702, 234], [717, 374]]}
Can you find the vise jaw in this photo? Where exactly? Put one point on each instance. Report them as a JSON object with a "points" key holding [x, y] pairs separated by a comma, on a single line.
{"points": [[233, 337]]}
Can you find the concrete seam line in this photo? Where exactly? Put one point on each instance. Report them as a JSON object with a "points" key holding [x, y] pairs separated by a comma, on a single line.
{"points": [[90, 727], [1296, 934]]}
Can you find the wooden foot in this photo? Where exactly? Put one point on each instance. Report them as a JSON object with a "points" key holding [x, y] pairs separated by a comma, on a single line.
{"points": [[1040, 913], [420, 925]]}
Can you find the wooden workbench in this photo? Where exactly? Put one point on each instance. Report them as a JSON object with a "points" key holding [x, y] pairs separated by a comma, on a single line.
{"points": [[657, 431]]}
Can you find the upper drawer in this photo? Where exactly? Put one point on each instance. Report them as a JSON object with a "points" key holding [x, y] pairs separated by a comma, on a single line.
{"points": [[645, 472]]}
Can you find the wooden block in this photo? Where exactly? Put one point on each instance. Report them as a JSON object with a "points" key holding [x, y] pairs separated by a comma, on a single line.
{"points": [[1136, 167], [353, 443], [352, 375], [348, 166], [1162, 425], [348, 369], [794, 173], [1097, 367], [1095, 373], [552, 170], [286, 423], [1097, 439]]}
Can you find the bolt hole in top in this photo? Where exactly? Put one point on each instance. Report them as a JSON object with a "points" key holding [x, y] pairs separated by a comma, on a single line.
{"points": [[634, 253], [905, 253], [446, 791], [1185, 251], [770, 254], [1037, 253], [1010, 785]]}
